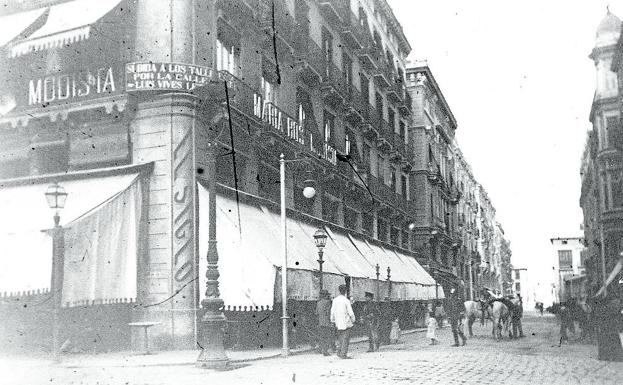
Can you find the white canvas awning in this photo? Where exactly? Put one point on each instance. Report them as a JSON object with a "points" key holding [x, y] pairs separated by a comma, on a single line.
{"points": [[26, 248], [16, 23], [249, 239], [67, 23]]}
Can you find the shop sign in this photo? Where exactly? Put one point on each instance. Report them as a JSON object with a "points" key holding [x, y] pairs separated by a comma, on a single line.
{"points": [[147, 76], [32, 91], [67, 87]]}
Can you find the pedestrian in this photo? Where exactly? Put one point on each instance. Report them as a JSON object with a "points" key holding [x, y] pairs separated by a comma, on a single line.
{"points": [[394, 334], [565, 319], [439, 313], [371, 317], [456, 309], [325, 330], [431, 331], [343, 317]]}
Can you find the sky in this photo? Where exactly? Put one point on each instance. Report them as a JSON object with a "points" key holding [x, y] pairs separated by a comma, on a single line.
{"points": [[518, 79]]}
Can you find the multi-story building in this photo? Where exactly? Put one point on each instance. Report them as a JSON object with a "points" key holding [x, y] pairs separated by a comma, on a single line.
{"points": [[436, 232], [456, 232], [134, 99], [602, 163], [568, 268], [521, 285]]}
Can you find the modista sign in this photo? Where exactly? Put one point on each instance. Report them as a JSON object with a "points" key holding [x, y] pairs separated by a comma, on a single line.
{"points": [[165, 76]]}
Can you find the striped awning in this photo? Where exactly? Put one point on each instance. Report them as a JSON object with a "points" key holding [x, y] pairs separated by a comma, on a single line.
{"points": [[67, 23], [15, 24]]}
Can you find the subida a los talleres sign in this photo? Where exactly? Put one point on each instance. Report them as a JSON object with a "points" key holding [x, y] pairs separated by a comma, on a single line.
{"points": [[145, 76]]}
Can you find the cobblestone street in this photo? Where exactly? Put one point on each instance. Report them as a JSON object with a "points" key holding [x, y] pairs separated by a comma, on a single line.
{"points": [[536, 359]]}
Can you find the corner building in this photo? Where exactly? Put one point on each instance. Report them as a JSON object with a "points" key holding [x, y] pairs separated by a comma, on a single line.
{"points": [[109, 99]]}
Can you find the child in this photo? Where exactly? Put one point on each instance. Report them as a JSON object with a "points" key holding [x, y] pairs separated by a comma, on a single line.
{"points": [[394, 334], [432, 328]]}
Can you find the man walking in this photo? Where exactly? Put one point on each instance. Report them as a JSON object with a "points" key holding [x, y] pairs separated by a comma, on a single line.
{"points": [[455, 313], [343, 317], [323, 310], [371, 316]]}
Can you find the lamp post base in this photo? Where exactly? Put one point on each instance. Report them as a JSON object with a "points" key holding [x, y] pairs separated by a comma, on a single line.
{"points": [[213, 354]]}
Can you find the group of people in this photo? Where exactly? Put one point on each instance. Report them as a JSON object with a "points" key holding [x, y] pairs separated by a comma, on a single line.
{"points": [[337, 314]]}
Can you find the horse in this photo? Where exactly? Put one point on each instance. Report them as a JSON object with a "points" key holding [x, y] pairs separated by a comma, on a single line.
{"points": [[474, 309], [500, 315]]}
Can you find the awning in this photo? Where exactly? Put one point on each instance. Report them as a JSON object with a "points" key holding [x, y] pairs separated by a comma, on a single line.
{"points": [[15, 24], [26, 249], [249, 239], [67, 23]]}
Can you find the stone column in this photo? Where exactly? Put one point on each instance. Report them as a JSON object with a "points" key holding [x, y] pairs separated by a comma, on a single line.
{"points": [[163, 132]]}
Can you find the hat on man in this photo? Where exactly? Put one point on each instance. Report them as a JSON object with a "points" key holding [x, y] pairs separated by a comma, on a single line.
{"points": [[369, 295]]}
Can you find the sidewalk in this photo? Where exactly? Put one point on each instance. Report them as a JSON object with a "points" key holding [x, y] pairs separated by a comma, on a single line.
{"points": [[163, 358]]}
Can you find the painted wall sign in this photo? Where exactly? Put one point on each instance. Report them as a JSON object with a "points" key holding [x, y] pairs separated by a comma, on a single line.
{"points": [[165, 76], [35, 90]]}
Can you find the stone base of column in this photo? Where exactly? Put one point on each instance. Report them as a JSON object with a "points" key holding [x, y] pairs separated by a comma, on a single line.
{"points": [[213, 354]]}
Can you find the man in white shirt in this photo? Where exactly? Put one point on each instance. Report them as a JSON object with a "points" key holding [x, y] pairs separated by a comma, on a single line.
{"points": [[343, 317]]}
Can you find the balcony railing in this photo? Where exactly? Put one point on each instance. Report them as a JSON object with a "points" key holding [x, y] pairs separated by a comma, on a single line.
{"points": [[283, 123], [244, 97], [354, 33], [335, 80], [336, 11], [309, 56]]}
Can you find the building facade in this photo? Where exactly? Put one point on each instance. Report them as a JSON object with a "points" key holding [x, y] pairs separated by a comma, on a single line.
{"points": [[455, 227], [126, 104], [568, 268], [601, 170]]}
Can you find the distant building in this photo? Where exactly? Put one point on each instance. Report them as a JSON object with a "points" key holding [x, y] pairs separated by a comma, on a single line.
{"points": [[521, 286], [567, 267]]}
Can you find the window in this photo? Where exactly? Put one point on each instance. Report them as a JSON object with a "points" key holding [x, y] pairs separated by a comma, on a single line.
{"points": [[611, 130], [403, 132], [517, 275], [350, 218], [517, 287], [391, 116], [565, 259], [327, 47], [381, 230], [347, 68], [366, 156], [379, 106], [301, 115], [616, 188], [365, 89], [380, 164], [392, 181], [329, 127], [347, 144], [268, 91], [367, 223], [404, 184], [227, 57], [394, 235]]}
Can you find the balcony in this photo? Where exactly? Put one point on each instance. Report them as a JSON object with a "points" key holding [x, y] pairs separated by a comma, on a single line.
{"points": [[406, 106], [385, 140], [354, 106], [309, 58], [398, 144], [355, 34], [395, 91], [382, 73], [242, 96], [335, 11], [334, 88]]}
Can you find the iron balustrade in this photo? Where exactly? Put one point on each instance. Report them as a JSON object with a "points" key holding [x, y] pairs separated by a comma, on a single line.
{"points": [[354, 32], [242, 96]]}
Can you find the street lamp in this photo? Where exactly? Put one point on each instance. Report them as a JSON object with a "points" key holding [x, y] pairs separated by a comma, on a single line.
{"points": [[213, 355], [320, 237], [56, 196], [309, 192]]}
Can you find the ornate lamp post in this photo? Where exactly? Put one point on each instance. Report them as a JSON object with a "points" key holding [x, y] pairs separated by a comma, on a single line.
{"points": [[320, 237], [213, 355], [56, 196]]}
